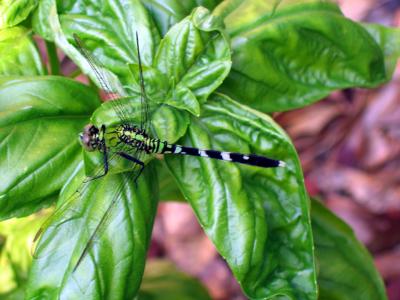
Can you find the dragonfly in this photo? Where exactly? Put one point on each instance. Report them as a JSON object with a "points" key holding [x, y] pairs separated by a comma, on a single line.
{"points": [[132, 142], [137, 138]]}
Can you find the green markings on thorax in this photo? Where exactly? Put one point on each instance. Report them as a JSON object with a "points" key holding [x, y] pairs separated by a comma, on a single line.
{"points": [[112, 136], [127, 135]]}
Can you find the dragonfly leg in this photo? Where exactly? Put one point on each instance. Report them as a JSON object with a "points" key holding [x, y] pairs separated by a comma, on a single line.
{"points": [[134, 160], [105, 158]]}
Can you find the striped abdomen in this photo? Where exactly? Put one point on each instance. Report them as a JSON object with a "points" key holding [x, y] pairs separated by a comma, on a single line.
{"points": [[248, 159], [137, 138]]}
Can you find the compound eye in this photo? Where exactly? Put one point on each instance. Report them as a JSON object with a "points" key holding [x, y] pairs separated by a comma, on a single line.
{"points": [[89, 137], [93, 129], [89, 129]]}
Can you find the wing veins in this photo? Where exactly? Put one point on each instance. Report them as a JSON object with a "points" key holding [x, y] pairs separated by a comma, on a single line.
{"points": [[143, 96], [104, 219], [95, 66]]}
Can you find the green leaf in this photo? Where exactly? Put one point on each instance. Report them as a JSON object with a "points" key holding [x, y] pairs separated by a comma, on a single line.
{"points": [[288, 54], [156, 83], [195, 57], [346, 269], [170, 123], [13, 12], [167, 13], [389, 40], [169, 190], [19, 55], [190, 63], [162, 281], [108, 29], [109, 113], [15, 255], [114, 264], [257, 218], [40, 118]]}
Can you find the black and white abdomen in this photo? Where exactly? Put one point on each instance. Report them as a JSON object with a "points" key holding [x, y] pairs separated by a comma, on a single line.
{"points": [[247, 159]]}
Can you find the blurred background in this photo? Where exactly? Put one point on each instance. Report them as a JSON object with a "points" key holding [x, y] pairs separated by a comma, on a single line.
{"points": [[349, 146]]}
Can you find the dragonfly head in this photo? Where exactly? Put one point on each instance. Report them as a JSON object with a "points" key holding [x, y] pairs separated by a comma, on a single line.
{"points": [[90, 139]]}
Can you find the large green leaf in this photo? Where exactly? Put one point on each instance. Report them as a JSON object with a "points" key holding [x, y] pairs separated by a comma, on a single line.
{"points": [[191, 61], [19, 55], [108, 29], [12, 12], [162, 281], [40, 118], [169, 190], [194, 57], [287, 54], [346, 269], [189, 64], [15, 255], [389, 40], [257, 218], [167, 13], [114, 264]]}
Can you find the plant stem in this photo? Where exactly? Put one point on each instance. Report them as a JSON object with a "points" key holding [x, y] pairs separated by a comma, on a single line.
{"points": [[75, 73], [53, 58]]}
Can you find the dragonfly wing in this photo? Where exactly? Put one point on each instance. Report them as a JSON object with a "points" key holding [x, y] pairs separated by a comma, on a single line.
{"points": [[106, 243], [115, 91], [70, 209], [102, 224], [105, 78], [67, 210], [106, 218], [145, 119], [74, 210]]}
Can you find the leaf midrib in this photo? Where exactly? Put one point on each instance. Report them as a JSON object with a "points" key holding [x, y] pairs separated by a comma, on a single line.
{"points": [[296, 11]]}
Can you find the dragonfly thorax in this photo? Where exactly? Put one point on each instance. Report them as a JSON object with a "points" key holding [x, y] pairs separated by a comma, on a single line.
{"points": [[136, 137], [130, 134]]}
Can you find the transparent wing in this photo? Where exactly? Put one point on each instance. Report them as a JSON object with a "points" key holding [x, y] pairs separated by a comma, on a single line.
{"points": [[61, 213], [145, 119], [73, 209], [69, 210], [106, 218], [114, 90], [104, 221], [104, 78]]}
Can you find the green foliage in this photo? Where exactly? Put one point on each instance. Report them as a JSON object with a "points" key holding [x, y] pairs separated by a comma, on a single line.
{"points": [[389, 41], [194, 57], [162, 281], [38, 130], [166, 13], [18, 53], [120, 249], [346, 269], [262, 214], [13, 12], [288, 54], [283, 54], [16, 241]]}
